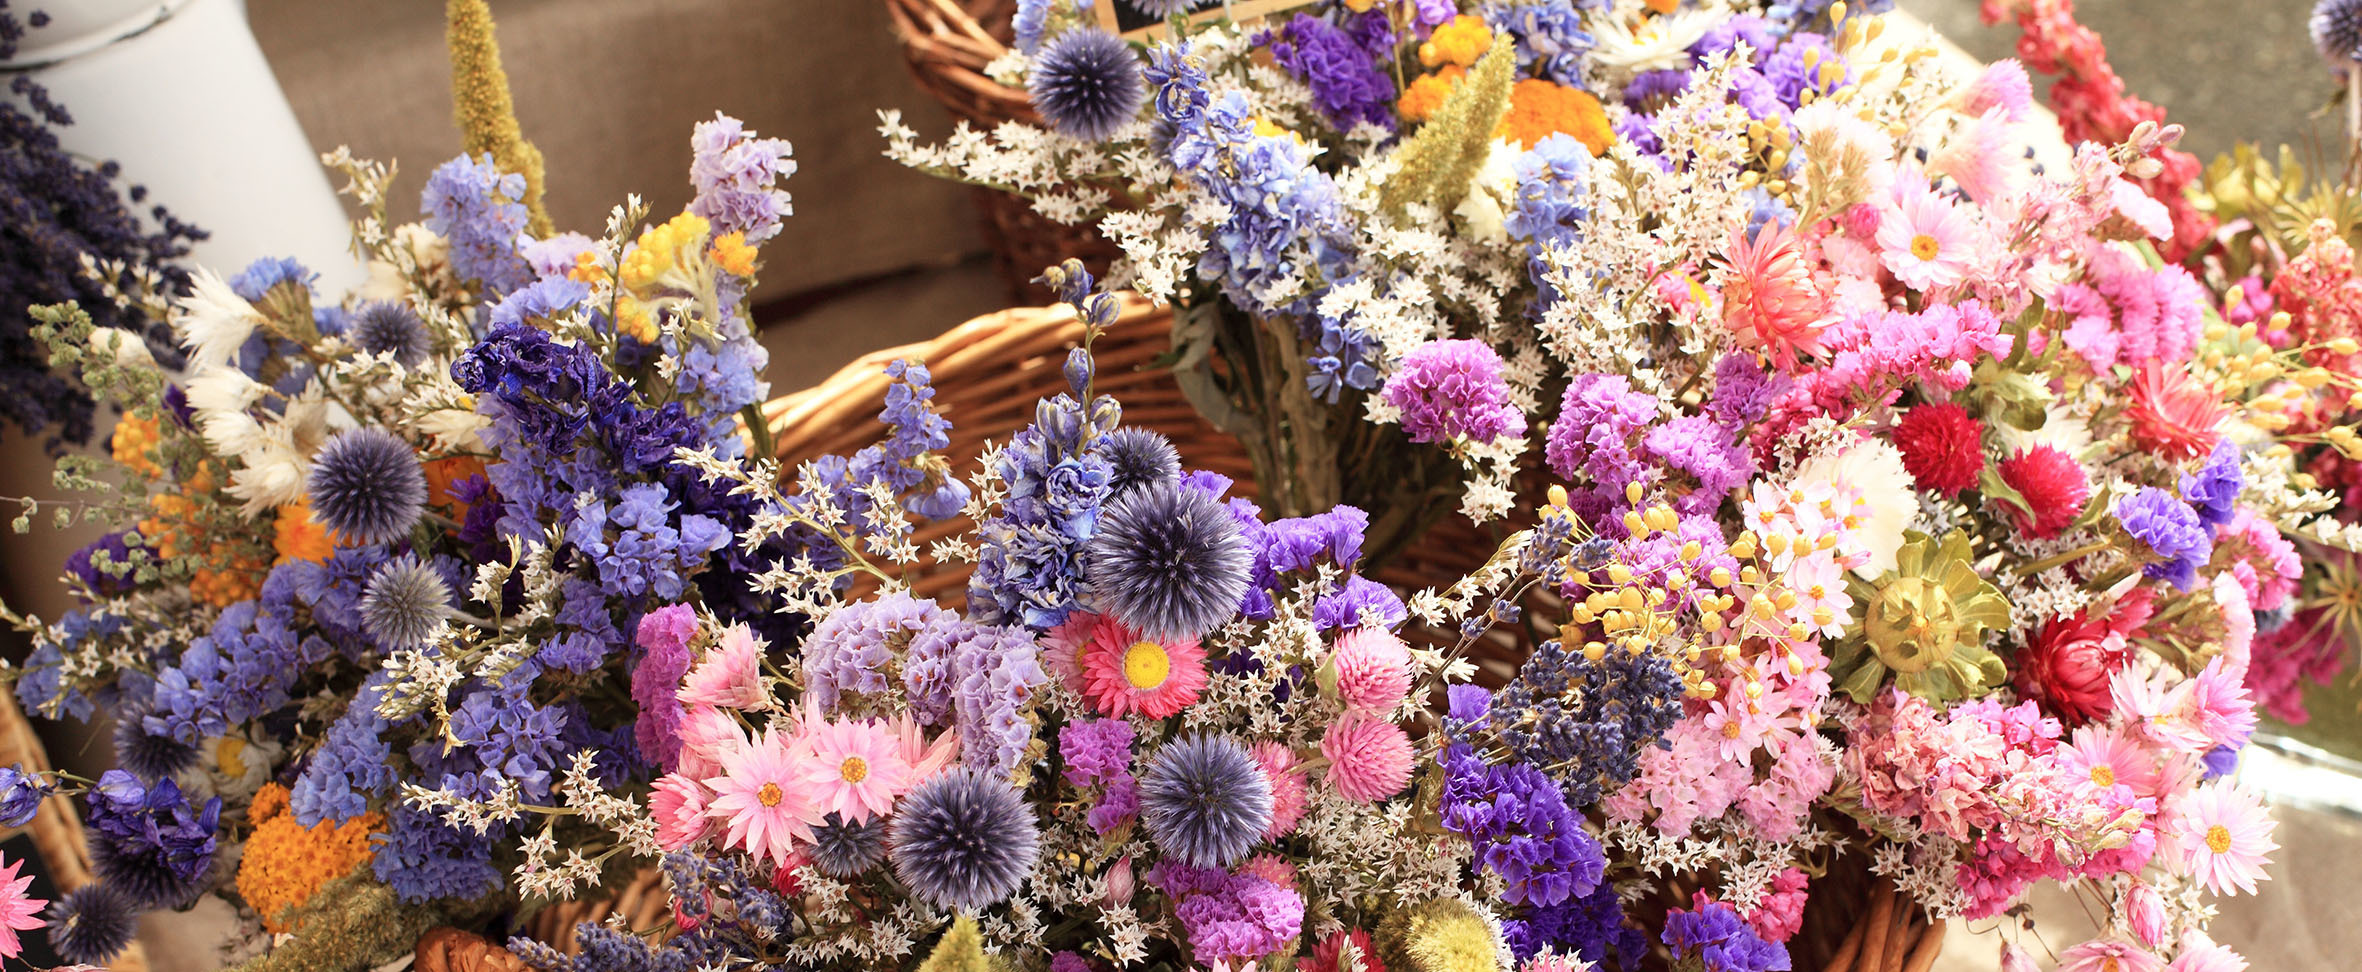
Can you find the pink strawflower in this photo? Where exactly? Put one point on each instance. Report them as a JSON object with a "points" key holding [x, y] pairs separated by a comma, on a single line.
{"points": [[2221, 836], [2155, 706], [1369, 758], [678, 804], [856, 770], [1985, 157], [1770, 297], [730, 676], [762, 797], [925, 759], [2001, 85], [2263, 560], [2144, 913], [1288, 799], [1063, 647], [1272, 868], [1330, 954], [1125, 672], [707, 733], [1925, 241], [2174, 415], [2106, 757], [2015, 958], [2218, 707], [18, 911], [2110, 955], [2202, 954], [1373, 669]]}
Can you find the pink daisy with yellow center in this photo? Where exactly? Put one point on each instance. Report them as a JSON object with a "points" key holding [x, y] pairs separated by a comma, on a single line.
{"points": [[856, 769], [762, 797], [1925, 241], [1125, 672], [2221, 836]]}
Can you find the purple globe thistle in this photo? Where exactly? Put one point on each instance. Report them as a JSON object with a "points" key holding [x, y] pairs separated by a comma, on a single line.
{"points": [[1086, 84], [1205, 800], [1168, 561], [1164, 8], [391, 327], [963, 840], [367, 485], [2171, 530], [2337, 31], [403, 601], [149, 755], [1137, 457], [92, 924], [1450, 390], [844, 850]]}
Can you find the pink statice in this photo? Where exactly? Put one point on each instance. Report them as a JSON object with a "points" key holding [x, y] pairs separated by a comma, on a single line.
{"points": [[1680, 785], [1777, 807], [2110, 955], [2306, 648], [2221, 836], [1925, 240], [1452, 390], [729, 676], [1872, 357], [1781, 912], [2262, 559]]}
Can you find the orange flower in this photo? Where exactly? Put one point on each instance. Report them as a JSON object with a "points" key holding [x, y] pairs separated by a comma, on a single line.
{"points": [[1770, 298], [134, 436], [2172, 414], [1460, 42], [442, 473], [285, 863], [1539, 108], [731, 253], [301, 537], [1427, 93]]}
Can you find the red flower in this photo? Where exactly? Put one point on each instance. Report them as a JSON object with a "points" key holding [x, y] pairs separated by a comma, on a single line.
{"points": [[2053, 486], [2067, 665], [2174, 415], [1942, 447]]}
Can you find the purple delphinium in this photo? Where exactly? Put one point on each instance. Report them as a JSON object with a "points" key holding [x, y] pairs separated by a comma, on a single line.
{"points": [[2171, 530], [1229, 917], [734, 173], [1451, 390], [148, 840], [2214, 490], [1095, 750], [1517, 820], [1718, 937], [478, 208], [1548, 211], [1346, 83]]}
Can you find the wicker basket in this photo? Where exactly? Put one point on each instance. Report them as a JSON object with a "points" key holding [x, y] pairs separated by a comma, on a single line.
{"points": [[56, 829], [948, 43]]}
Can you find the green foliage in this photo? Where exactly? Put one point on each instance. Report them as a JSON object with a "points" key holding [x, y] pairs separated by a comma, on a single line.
{"points": [[353, 923], [1438, 161], [961, 950], [2278, 198]]}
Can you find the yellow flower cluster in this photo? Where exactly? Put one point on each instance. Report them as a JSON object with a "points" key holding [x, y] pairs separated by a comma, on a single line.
{"points": [[1539, 109], [285, 863], [672, 256], [135, 438], [1460, 42], [230, 567]]}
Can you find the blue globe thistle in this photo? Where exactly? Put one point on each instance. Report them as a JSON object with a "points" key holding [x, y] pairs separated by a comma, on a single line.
{"points": [[92, 924], [844, 850], [1165, 8], [1086, 84], [391, 327], [140, 874], [1205, 800], [963, 840], [366, 484], [148, 755], [1168, 561], [1137, 457], [2337, 31], [403, 602]]}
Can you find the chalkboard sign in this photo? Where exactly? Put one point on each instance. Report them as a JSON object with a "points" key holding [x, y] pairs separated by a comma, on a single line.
{"points": [[1121, 17]]}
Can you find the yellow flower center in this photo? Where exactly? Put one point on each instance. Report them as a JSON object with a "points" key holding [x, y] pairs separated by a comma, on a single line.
{"points": [[769, 795], [2218, 839], [1924, 247], [2103, 775], [854, 769], [1730, 730], [2111, 964], [228, 756], [1146, 665]]}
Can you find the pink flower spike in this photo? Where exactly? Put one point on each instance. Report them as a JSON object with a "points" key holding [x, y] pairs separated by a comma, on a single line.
{"points": [[762, 798], [679, 808], [2221, 836], [1925, 241], [856, 770], [18, 912], [731, 675]]}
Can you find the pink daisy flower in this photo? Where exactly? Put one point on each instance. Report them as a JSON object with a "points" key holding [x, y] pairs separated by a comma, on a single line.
{"points": [[2218, 707], [18, 911], [1288, 800], [731, 675], [2110, 955], [1125, 672], [762, 798], [2156, 710], [1064, 645], [679, 808], [2221, 836], [856, 770], [1770, 297], [2202, 954], [1372, 668], [1369, 758], [1924, 240], [2107, 757]]}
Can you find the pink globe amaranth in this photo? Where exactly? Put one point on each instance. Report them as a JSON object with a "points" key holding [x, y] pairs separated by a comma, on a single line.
{"points": [[1369, 758], [1372, 669]]}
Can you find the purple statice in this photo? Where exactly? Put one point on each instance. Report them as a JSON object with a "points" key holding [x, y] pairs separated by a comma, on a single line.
{"points": [[1650, 90], [1721, 940], [1744, 391], [1342, 357], [1760, 36], [663, 637], [977, 678], [41, 684], [498, 732], [1657, 556], [424, 859], [480, 210], [1285, 222], [262, 276], [245, 666], [1357, 602], [1085, 84], [641, 547], [64, 208], [1095, 750], [735, 175], [2214, 490], [1587, 720], [1118, 805], [1300, 545], [722, 377], [1229, 918], [1547, 211], [1592, 443], [1549, 36], [1803, 11], [1588, 926], [2176, 538], [147, 840], [1347, 85], [114, 578], [1518, 823], [1449, 390], [849, 651], [1713, 460]]}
